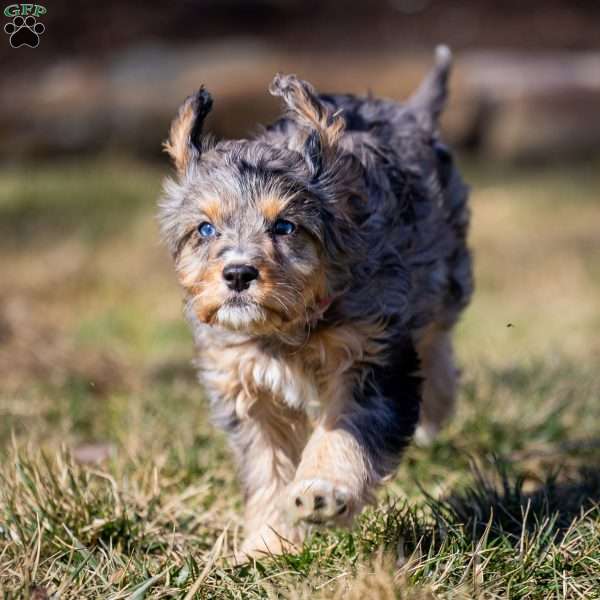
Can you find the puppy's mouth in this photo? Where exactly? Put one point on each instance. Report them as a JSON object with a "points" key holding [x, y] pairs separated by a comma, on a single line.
{"points": [[239, 312], [239, 300], [243, 312]]}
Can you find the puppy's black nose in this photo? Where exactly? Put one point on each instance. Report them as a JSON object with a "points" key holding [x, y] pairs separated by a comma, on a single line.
{"points": [[238, 277]]}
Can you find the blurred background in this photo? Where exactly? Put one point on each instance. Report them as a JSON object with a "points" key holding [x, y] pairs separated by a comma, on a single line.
{"points": [[108, 78], [91, 332]]}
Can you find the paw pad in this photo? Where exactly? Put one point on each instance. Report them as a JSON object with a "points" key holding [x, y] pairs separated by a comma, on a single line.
{"points": [[318, 501], [24, 31]]}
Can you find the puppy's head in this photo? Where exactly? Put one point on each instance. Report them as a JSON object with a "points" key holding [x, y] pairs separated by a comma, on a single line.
{"points": [[261, 231]]}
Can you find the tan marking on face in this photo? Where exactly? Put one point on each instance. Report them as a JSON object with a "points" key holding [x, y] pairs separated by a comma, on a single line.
{"points": [[271, 206], [188, 267], [204, 285], [213, 209]]}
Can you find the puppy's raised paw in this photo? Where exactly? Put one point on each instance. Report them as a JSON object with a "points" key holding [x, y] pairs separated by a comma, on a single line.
{"points": [[319, 502]]}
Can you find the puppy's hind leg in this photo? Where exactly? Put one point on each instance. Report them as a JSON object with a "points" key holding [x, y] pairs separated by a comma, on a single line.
{"points": [[440, 381]]}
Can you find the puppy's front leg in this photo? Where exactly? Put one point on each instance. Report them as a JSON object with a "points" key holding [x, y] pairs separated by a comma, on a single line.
{"points": [[268, 443], [358, 442], [333, 480]]}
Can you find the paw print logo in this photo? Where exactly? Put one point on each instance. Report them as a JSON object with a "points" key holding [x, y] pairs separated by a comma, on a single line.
{"points": [[24, 31]]}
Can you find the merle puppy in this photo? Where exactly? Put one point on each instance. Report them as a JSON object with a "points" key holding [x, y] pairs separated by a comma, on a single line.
{"points": [[324, 264]]}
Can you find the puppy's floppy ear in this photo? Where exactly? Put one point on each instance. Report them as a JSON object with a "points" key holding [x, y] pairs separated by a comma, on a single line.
{"points": [[430, 98], [323, 127], [185, 137]]}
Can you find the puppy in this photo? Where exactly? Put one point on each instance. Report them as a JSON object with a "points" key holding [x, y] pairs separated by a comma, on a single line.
{"points": [[324, 264]]}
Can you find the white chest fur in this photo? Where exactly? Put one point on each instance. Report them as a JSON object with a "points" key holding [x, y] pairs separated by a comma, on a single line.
{"points": [[286, 381], [247, 374]]}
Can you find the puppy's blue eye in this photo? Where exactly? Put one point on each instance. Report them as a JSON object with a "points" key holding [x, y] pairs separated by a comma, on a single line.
{"points": [[283, 227], [206, 229]]}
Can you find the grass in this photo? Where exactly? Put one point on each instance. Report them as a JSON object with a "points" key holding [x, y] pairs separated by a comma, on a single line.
{"points": [[114, 485]]}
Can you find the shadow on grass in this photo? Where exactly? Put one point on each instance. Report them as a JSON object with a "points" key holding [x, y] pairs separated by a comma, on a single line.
{"points": [[501, 504]]}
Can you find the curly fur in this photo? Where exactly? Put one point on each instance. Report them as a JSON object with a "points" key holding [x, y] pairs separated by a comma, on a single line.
{"points": [[314, 369]]}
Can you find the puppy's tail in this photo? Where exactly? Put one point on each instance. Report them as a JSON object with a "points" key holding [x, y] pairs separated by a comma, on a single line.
{"points": [[430, 98]]}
